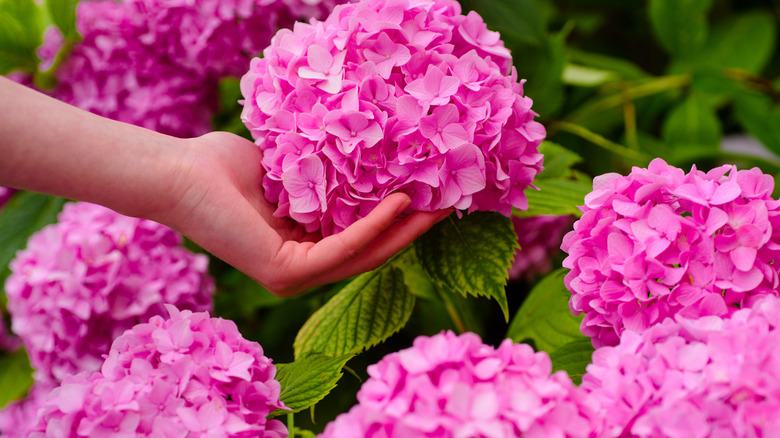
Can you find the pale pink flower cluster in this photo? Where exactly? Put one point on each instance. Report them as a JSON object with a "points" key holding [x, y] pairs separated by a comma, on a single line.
{"points": [[186, 376], [539, 238], [660, 242], [456, 386], [386, 96], [83, 281], [157, 63], [710, 377]]}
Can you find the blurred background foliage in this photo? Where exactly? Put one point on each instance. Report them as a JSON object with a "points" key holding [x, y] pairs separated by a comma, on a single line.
{"points": [[616, 83]]}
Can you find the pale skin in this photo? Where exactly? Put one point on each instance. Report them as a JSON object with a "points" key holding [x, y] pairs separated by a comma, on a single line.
{"points": [[208, 188]]}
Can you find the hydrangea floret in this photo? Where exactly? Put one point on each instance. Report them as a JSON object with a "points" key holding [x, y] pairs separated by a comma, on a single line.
{"points": [[386, 96], [185, 376], [456, 386], [660, 242], [95, 273], [693, 378], [540, 239]]}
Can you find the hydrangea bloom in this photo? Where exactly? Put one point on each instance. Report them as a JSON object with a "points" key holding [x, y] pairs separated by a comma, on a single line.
{"points": [[659, 242], [385, 96], [710, 377], [539, 238], [157, 63], [18, 418], [83, 281], [456, 386], [189, 375]]}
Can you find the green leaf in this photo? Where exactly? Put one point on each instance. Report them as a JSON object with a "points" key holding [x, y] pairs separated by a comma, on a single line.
{"points": [[557, 197], [308, 379], [744, 42], [557, 161], [692, 122], [63, 14], [20, 35], [23, 215], [582, 76], [573, 357], [617, 66], [544, 318], [15, 376], [516, 20], [761, 118], [367, 311], [470, 255], [680, 25], [418, 282]]}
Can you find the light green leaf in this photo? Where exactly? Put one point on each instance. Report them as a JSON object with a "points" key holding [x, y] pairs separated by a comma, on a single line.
{"points": [[63, 14], [680, 25], [308, 379], [617, 66], [15, 376], [544, 318], [761, 118], [692, 122], [557, 161], [367, 311], [556, 197], [470, 255], [416, 279], [20, 35], [582, 76], [573, 357], [23, 215], [744, 42]]}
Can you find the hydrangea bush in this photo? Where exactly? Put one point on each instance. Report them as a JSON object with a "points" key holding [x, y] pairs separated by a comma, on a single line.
{"points": [[456, 386], [661, 242], [386, 96], [83, 281], [693, 378], [187, 375]]}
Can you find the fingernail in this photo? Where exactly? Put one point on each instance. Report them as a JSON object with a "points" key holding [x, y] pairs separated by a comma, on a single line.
{"points": [[403, 206]]}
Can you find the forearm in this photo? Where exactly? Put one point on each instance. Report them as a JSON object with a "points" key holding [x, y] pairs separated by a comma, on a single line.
{"points": [[51, 147]]}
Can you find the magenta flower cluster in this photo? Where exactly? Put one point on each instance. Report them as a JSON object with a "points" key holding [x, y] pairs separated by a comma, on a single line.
{"points": [[83, 281], [157, 63], [386, 96], [456, 386], [5, 195], [660, 242], [186, 376], [540, 239], [711, 377]]}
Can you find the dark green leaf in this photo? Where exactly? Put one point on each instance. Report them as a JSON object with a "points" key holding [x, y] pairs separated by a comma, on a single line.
{"points": [[517, 20], [23, 215], [680, 25], [20, 35], [573, 357], [415, 277], [308, 380], [15, 376], [63, 14], [692, 122], [557, 161], [544, 318], [743, 42], [367, 311], [470, 255], [557, 197], [760, 117]]}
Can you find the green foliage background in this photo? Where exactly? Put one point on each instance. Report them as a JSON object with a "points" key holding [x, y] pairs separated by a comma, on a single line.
{"points": [[616, 83]]}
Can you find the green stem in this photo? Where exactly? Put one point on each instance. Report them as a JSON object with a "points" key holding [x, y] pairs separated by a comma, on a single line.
{"points": [[655, 86], [291, 425], [598, 140], [452, 310]]}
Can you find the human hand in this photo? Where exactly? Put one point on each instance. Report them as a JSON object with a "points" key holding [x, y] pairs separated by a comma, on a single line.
{"points": [[217, 201]]}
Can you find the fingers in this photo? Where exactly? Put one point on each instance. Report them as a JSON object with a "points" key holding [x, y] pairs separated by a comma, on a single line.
{"points": [[388, 243]]}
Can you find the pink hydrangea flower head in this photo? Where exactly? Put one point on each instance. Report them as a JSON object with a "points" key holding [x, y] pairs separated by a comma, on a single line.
{"points": [[539, 238], [83, 281], [660, 242], [18, 418], [187, 375], [456, 386], [693, 378], [391, 95]]}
